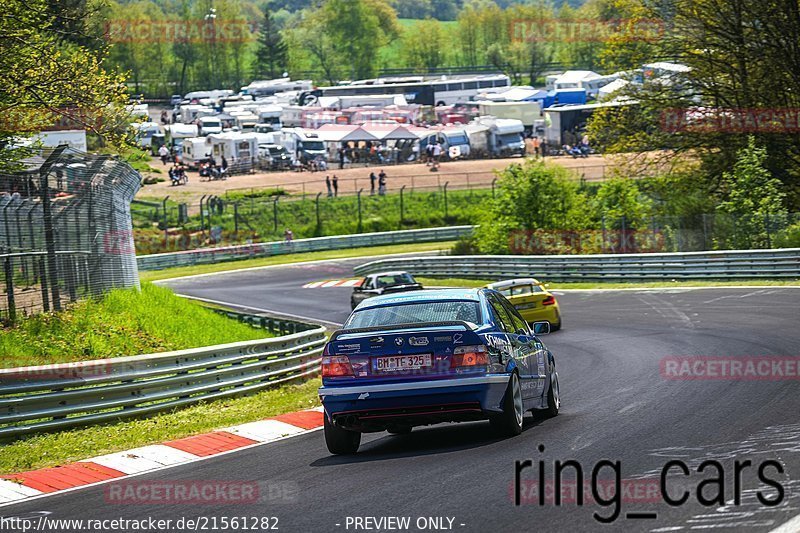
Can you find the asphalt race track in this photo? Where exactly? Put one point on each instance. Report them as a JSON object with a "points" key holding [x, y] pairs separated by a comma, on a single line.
{"points": [[617, 405]]}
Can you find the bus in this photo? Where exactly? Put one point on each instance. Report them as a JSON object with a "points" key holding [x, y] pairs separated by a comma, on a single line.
{"points": [[437, 91]]}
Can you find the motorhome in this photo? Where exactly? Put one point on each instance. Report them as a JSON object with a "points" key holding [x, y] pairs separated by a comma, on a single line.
{"points": [[236, 147], [144, 132], [195, 149], [270, 114], [270, 87], [246, 122], [191, 112], [209, 125], [177, 132], [303, 145]]}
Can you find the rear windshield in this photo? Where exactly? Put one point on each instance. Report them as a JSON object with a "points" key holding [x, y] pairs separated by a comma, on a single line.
{"points": [[519, 290], [416, 312], [395, 279]]}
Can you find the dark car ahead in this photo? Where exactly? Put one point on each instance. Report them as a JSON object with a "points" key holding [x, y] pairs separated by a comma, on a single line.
{"points": [[383, 283], [425, 357]]}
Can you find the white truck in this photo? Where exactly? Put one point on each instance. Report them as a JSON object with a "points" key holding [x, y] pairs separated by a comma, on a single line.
{"points": [[496, 137], [303, 145], [453, 141]]}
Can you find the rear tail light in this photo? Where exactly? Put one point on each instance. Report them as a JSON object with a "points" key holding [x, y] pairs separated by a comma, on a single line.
{"points": [[550, 300], [470, 356], [336, 366]]}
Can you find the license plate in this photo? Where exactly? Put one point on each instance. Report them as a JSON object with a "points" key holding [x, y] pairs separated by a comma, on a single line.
{"points": [[402, 362]]}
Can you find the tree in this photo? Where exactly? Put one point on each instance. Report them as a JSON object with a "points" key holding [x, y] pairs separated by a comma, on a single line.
{"points": [[743, 62], [44, 81], [424, 45], [529, 197], [619, 198], [752, 197], [271, 51]]}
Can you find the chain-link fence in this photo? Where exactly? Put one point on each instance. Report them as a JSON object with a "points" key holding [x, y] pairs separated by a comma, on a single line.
{"points": [[65, 231]]}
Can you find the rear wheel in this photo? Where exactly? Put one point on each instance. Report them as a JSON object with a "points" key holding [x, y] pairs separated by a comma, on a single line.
{"points": [[341, 441], [509, 423]]}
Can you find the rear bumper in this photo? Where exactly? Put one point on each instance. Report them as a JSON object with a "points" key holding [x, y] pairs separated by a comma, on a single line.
{"points": [[378, 407], [549, 313]]}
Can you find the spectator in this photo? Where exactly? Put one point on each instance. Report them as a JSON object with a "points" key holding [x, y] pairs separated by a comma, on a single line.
{"points": [[437, 153], [335, 185], [224, 164], [288, 236], [328, 185], [536, 146], [341, 158], [163, 153], [372, 180], [382, 183]]}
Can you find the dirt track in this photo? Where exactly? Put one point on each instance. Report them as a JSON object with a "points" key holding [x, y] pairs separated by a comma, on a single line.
{"points": [[459, 174]]}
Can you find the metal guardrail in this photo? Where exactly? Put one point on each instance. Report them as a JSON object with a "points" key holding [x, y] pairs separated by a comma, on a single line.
{"points": [[54, 397], [743, 264], [267, 249]]}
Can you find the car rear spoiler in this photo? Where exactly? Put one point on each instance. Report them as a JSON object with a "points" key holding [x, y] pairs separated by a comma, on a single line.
{"points": [[413, 325]]}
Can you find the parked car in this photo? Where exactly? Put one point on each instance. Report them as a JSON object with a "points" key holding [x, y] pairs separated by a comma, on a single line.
{"points": [[383, 283], [432, 356]]}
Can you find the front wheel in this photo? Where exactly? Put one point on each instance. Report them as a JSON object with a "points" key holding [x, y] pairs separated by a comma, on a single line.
{"points": [[509, 423], [341, 441]]}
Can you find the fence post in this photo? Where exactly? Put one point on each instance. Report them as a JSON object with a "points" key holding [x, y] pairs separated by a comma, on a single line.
{"points": [[50, 242], [493, 182], [202, 224], [275, 211], [767, 225], [166, 222], [624, 237], [319, 222], [402, 211], [705, 233], [236, 219], [603, 227], [9, 273], [445, 200], [43, 280], [23, 260], [359, 209]]}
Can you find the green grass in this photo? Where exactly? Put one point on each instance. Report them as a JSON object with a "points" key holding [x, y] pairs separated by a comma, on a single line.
{"points": [[293, 258], [124, 322], [468, 283], [58, 448], [338, 216]]}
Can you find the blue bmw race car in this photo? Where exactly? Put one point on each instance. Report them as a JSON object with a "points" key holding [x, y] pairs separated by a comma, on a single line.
{"points": [[432, 356]]}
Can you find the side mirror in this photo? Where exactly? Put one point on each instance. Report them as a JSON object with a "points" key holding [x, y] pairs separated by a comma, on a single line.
{"points": [[541, 328], [357, 288]]}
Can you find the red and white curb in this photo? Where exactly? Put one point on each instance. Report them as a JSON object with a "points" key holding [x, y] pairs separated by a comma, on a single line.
{"points": [[23, 485], [324, 284]]}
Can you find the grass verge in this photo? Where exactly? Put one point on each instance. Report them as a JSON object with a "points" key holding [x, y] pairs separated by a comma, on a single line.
{"points": [[40, 451], [293, 258], [467, 283], [123, 322]]}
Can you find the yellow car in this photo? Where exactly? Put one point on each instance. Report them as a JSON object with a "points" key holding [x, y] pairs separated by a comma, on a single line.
{"points": [[533, 301]]}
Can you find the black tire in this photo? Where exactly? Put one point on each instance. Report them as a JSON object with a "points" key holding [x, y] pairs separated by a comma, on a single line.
{"points": [[509, 424], [555, 326], [553, 398], [341, 441], [403, 430]]}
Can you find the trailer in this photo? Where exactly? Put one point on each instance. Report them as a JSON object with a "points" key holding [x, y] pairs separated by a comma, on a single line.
{"points": [[193, 151], [238, 148], [527, 112]]}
